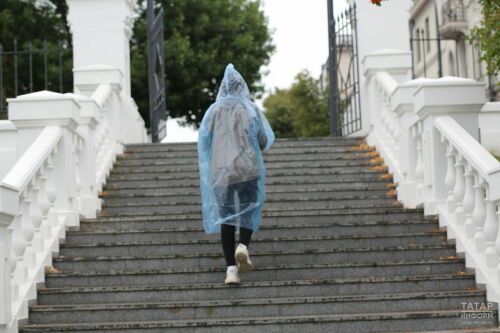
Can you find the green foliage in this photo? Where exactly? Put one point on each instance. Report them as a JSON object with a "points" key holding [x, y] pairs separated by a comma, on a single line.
{"points": [[301, 111], [201, 38], [33, 21], [487, 35]]}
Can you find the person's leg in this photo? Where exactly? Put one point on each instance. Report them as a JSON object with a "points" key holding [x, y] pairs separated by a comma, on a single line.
{"points": [[245, 235], [228, 245], [247, 195]]}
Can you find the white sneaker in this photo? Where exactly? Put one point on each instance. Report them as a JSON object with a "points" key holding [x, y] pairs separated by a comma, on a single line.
{"points": [[243, 259], [232, 276]]}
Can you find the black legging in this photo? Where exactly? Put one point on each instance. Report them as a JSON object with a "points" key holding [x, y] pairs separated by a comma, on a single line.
{"points": [[247, 194], [228, 241]]}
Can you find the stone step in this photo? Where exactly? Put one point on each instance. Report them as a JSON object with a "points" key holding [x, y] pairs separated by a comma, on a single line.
{"points": [[212, 244], [265, 231], [257, 289], [414, 321], [271, 183], [129, 160], [278, 143], [338, 173], [289, 256], [123, 166], [327, 208], [166, 180], [279, 147], [167, 195], [240, 308], [194, 205], [107, 222], [260, 273], [332, 151]]}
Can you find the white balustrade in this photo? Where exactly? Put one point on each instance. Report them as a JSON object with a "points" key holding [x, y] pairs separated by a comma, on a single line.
{"points": [[427, 132], [53, 184]]}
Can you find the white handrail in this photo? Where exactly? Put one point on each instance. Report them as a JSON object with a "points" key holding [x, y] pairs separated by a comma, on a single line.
{"points": [[473, 151], [31, 161]]}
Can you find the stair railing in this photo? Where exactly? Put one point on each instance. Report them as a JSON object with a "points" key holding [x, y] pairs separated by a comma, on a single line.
{"points": [[67, 146], [427, 132]]}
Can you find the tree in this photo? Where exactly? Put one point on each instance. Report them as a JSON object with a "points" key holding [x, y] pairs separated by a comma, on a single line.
{"points": [[201, 38], [301, 111], [31, 23], [487, 36]]}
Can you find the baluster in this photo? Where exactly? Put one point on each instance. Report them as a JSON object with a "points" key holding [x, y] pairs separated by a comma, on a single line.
{"points": [[27, 227], [52, 194], [419, 169], [36, 215], [44, 203], [490, 229], [497, 243], [468, 202], [450, 177], [459, 190], [479, 213], [78, 181]]}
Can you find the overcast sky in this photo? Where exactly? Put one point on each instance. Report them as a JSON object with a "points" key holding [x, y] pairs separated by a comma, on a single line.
{"points": [[301, 39]]}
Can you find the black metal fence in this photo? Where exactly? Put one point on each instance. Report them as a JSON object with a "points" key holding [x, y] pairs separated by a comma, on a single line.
{"points": [[343, 68], [32, 67], [436, 57]]}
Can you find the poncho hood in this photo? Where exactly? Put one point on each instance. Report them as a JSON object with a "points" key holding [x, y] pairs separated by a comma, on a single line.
{"points": [[233, 85]]}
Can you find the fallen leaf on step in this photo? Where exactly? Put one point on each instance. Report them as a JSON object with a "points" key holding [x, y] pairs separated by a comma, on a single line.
{"points": [[379, 168], [391, 185], [377, 160], [391, 193], [52, 270], [103, 194], [124, 154], [385, 176]]}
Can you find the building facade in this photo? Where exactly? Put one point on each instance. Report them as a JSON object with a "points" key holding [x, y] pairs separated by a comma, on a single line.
{"points": [[438, 38]]}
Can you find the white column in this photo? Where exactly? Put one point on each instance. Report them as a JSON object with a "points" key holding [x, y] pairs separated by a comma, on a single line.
{"points": [[8, 146], [101, 31], [9, 206], [489, 120], [31, 113], [461, 99], [379, 28]]}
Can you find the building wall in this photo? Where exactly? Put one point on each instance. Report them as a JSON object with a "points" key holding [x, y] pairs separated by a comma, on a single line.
{"points": [[459, 56]]}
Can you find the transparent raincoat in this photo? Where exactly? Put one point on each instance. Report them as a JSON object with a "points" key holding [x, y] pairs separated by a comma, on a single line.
{"points": [[232, 135]]}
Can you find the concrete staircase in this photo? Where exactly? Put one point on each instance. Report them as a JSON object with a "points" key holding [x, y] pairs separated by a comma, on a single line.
{"points": [[335, 253]]}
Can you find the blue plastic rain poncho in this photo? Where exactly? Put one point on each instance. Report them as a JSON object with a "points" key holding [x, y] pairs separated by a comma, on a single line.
{"points": [[232, 135]]}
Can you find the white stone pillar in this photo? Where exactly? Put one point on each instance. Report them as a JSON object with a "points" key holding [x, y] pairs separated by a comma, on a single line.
{"points": [[489, 125], [9, 206], [31, 113], [101, 31], [377, 28], [459, 98], [8, 146]]}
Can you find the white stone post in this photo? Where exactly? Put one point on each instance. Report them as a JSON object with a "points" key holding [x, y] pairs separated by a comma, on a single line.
{"points": [[88, 201], [459, 98], [8, 146], [31, 113], [9, 206], [384, 27], [489, 125], [101, 31]]}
